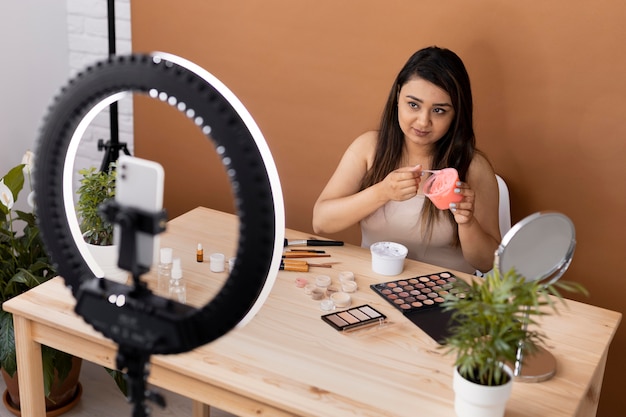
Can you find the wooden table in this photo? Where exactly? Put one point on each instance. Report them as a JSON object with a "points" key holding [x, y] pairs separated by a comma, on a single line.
{"points": [[288, 362]]}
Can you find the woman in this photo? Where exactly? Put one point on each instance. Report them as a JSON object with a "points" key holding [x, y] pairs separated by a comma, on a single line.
{"points": [[426, 124]]}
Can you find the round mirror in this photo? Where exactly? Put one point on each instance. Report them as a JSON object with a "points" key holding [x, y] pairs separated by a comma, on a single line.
{"points": [[539, 247]]}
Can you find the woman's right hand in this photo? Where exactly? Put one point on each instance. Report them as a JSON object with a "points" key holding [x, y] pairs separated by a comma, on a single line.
{"points": [[403, 183]]}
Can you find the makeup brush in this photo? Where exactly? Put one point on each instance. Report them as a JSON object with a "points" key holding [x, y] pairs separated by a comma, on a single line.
{"points": [[300, 266], [313, 242], [305, 255], [295, 267]]}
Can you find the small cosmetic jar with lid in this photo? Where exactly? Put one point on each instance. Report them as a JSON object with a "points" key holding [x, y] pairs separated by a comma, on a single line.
{"points": [[388, 257], [346, 276], [318, 294], [327, 305], [331, 289], [341, 299], [348, 286], [217, 262], [301, 282], [322, 281], [308, 288]]}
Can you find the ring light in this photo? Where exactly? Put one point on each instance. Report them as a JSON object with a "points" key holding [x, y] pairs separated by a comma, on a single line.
{"points": [[146, 322]]}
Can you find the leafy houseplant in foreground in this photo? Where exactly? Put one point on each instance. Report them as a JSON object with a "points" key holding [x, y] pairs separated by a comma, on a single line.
{"points": [[24, 264], [493, 317]]}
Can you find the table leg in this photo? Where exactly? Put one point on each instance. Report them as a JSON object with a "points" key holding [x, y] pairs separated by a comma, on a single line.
{"points": [[30, 369], [199, 409], [589, 404]]}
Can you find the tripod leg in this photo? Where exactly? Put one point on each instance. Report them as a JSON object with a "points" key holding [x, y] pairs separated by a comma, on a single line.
{"points": [[137, 365]]}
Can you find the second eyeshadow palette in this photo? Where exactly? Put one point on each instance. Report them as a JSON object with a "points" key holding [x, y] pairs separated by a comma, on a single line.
{"points": [[418, 293]]}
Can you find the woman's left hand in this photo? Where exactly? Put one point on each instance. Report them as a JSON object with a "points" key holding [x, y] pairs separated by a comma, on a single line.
{"points": [[463, 211]]}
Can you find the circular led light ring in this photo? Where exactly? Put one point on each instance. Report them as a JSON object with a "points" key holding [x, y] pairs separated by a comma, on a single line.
{"points": [[218, 113]]}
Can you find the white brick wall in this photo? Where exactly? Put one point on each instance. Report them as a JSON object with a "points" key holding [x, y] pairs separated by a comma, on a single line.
{"points": [[87, 43]]}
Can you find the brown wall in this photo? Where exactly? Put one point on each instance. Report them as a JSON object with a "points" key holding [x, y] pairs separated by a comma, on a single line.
{"points": [[550, 97]]}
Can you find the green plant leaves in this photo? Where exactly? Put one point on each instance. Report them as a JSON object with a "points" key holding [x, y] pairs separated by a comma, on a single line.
{"points": [[14, 180], [55, 364], [24, 264], [95, 188], [491, 318], [7, 341]]}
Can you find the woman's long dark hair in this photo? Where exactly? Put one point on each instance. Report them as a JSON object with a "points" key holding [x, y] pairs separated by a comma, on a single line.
{"points": [[456, 148]]}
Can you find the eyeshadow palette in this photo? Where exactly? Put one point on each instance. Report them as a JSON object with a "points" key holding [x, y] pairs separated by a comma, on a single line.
{"points": [[418, 293], [419, 299], [354, 318]]}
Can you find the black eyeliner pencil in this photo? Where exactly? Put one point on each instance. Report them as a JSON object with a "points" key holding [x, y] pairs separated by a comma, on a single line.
{"points": [[313, 242]]}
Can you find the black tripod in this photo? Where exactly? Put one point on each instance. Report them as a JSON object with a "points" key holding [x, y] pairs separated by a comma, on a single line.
{"points": [[113, 146]]}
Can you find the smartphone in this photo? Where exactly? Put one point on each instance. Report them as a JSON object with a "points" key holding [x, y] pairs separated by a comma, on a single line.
{"points": [[139, 184]]}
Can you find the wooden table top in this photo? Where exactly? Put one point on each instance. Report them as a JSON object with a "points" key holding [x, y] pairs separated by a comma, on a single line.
{"points": [[288, 358]]}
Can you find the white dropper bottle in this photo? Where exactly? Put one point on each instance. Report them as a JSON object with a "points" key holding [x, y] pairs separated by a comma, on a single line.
{"points": [[177, 287]]}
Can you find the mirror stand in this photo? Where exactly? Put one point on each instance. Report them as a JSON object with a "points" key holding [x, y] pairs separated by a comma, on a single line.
{"points": [[538, 367]]}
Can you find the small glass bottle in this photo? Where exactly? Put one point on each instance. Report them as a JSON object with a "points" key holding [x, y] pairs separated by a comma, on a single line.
{"points": [[199, 253], [164, 270], [177, 288]]}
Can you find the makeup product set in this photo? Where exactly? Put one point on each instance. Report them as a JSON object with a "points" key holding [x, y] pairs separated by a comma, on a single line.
{"points": [[412, 294], [420, 298], [355, 318], [322, 287], [352, 318], [347, 320], [330, 298], [217, 261]]}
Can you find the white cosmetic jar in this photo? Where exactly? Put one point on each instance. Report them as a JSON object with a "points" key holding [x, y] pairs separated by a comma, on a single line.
{"points": [[322, 281], [388, 257], [341, 299], [346, 276], [348, 286]]}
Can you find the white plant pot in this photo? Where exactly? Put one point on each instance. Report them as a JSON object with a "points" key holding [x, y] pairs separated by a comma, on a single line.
{"points": [[106, 257], [476, 400]]}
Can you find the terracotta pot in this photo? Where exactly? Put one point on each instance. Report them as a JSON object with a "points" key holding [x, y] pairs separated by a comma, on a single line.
{"points": [[63, 396]]}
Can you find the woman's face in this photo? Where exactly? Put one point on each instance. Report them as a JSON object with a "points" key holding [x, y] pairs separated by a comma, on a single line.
{"points": [[425, 111]]}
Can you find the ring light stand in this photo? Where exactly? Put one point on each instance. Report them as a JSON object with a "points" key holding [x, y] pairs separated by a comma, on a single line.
{"points": [[540, 248], [140, 322]]}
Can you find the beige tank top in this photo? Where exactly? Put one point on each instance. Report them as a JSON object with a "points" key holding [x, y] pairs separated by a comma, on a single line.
{"points": [[399, 221]]}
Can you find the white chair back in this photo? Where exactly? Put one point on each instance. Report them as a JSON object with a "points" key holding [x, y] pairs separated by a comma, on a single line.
{"points": [[504, 210], [504, 206]]}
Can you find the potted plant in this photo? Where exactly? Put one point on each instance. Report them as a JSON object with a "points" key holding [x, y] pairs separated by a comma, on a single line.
{"points": [[24, 264], [491, 318], [95, 188]]}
